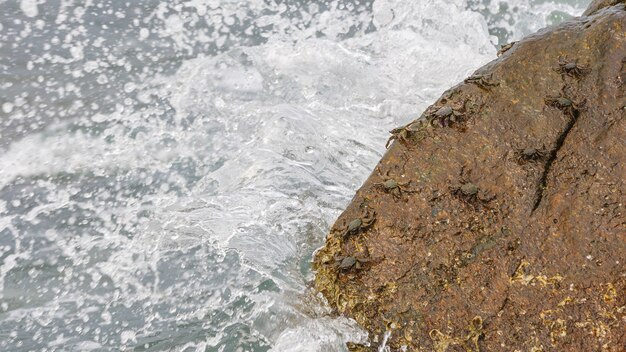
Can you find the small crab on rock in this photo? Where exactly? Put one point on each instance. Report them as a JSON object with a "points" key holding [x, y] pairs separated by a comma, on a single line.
{"points": [[482, 81], [403, 133], [525, 155], [347, 263], [571, 68], [445, 115], [505, 48], [565, 104], [392, 186], [468, 192], [360, 224]]}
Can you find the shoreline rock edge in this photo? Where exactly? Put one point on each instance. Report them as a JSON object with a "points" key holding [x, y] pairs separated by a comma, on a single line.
{"points": [[496, 221]]}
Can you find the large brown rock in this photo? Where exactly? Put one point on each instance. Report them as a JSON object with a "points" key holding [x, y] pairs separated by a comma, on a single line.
{"points": [[597, 5], [508, 229]]}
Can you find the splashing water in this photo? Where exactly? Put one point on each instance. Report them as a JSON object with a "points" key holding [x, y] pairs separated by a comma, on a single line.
{"points": [[383, 346], [167, 169]]}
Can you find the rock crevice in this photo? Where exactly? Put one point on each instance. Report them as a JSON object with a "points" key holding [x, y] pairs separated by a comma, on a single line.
{"points": [[560, 140]]}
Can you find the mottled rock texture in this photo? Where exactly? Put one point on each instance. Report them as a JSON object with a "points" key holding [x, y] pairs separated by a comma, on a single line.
{"points": [[498, 224]]}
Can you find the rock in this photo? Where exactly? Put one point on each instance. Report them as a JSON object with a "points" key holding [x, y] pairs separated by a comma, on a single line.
{"points": [[597, 5], [489, 246]]}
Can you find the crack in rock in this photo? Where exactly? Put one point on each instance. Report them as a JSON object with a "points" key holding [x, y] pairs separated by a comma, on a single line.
{"points": [[552, 157]]}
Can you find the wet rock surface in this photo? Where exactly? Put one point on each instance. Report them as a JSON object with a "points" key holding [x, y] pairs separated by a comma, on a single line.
{"points": [[597, 5], [496, 221]]}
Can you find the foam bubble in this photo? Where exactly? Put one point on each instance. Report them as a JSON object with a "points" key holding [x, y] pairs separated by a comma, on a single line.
{"points": [[7, 107], [29, 7]]}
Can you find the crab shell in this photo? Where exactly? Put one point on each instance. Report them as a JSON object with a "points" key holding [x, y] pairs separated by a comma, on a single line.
{"points": [[347, 263], [469, 189], [444, 111], [528, 152], [354, 225], [564, 102], [390, 184], [570, 66]]}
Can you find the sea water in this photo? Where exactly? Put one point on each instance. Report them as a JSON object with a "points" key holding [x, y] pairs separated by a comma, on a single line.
{"points": [[168, 168]]}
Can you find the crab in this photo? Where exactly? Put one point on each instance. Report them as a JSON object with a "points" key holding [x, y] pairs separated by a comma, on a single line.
{"points": [[565, 104], [482, 81], [468, 192], [445, 116], [505, 48], [571, 68], [392, 186], [402, 133], [347, 263], [530, 154], [361, 223]]}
